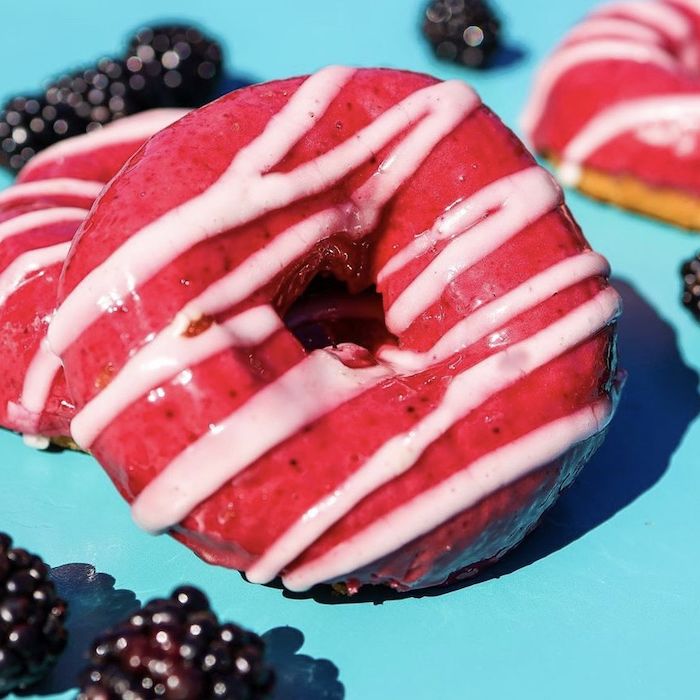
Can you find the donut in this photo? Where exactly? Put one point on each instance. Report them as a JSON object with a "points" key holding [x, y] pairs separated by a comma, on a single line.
{"points": [[38, 219], [616, 108], [464, 367]]}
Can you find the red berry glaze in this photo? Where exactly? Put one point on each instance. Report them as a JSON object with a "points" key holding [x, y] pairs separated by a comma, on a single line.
{"points": [[38, 218], [620, 96], [402, 456]]}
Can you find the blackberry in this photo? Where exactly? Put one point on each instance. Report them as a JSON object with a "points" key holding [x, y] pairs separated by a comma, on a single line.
{"points": [[164, 66], [30, 124], [70, 106], [32, 634], [691, 285], [175, 648], [173, 66], [463, 31], [96, 96]]}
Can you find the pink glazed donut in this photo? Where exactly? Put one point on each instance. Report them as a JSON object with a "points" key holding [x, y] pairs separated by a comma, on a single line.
{"points": [[38, 218], [465, 365]]}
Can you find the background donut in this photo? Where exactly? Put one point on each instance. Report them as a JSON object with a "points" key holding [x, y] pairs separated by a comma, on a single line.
{"points": [[38, 218], [616, 107]]}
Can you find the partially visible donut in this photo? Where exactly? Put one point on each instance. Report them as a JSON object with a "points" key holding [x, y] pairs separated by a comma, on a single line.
{"points": [[38, 218], [403, 452], [617, 108]]}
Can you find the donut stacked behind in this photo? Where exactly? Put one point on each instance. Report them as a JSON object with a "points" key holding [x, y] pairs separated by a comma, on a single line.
{"points": [[403, 464], [617, 108], [38, 218]]}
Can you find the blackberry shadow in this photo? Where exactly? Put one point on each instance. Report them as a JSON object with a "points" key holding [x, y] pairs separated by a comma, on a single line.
{"points": [[93, 605], [298, 676]]}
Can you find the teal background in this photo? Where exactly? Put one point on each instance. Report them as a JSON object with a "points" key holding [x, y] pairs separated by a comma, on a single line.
{"points": [[601, 602]]}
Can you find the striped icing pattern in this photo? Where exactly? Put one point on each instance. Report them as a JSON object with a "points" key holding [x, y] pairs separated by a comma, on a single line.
{"points": [[656, 32], [324, 380], [85, 190], [134, 129], [465, 489]]}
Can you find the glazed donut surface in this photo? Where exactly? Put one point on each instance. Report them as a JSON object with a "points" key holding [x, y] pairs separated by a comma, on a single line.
{"points": [[405, 459], [617, 107]]}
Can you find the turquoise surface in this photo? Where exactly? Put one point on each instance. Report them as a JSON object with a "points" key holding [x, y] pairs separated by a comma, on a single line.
{"points": [[601, 602]]}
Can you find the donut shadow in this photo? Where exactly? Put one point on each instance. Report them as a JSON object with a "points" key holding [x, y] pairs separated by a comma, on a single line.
{"points": [[659, 402], [94, 604], [298, 676]]}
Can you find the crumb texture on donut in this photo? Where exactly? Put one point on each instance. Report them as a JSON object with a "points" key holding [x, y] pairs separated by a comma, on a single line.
{"points": [[617, 108], [420, 438]]}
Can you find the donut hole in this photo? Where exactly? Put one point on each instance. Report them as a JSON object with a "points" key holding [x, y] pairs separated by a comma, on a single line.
{"points": [[327, 314]]}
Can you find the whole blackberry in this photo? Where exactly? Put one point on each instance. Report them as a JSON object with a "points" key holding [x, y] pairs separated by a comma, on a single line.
{"points": [[30, 124], [175, 648], [71, 105], [32, 634], [96, 95], [691, 285], [463, 31], [173, 66]]}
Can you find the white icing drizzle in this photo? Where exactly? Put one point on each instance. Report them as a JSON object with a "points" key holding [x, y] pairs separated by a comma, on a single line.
{"points": [[638, 26], [459, 492], [620, 119], [570, 57], [609, 27], [433, 112], [474, 228], [464, 214], [657, 15], [45, 365], [38, 380], [36, 442], [323, 381], [15, 274], [315, 386], [36, 219], [493, 315], [164, 357], [265, 264], [65, 186], [135, 128], [467, 391], [663, 18]]}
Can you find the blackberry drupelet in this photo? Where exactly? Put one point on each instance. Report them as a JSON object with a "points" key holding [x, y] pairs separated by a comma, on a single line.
{"points": [[175, 648], [463, 31], [32, 632], [173, 66], [691, 285]]}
